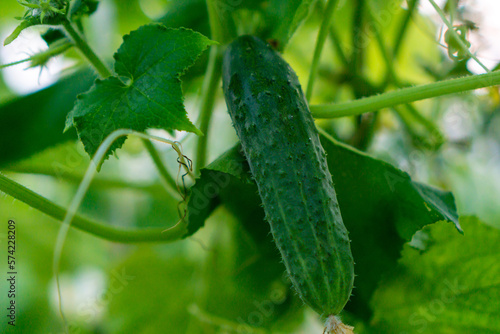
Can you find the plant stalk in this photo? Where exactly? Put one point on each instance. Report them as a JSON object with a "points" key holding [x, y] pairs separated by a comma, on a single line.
{"points": [[405, 95], [208, 95], [87, 51], [320, 43], [98, 229]]}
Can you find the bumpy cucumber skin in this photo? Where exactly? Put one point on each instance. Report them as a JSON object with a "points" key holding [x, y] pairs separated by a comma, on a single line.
{"points": [[279, 138]]}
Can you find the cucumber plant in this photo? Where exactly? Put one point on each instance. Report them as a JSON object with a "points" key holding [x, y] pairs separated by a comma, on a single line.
{"points": [[281, 153]]}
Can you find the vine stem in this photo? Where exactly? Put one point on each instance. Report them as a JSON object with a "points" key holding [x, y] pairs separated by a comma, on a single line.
{"points": [[320, 43], [405, 95], [391, 75], [41, 58], [96, 228], [86, 50], [222, 26], [455, 35], [101, 183], [208, 94]]}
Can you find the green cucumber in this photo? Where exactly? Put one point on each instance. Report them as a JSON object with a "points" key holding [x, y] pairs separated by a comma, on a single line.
{"points": [[281, 143]]}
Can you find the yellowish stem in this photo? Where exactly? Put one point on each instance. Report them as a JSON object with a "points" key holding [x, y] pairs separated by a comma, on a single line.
{"points": [[334, 325]]}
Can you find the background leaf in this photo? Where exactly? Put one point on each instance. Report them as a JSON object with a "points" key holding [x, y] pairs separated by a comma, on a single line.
{"points": [[451, 287], [220, 272], [165, 281], [220, 174], [286, 17], [381, 207], [190, 14], [36, 121], [152, 58]]}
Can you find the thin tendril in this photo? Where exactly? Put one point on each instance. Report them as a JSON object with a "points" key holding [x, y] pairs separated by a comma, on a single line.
{"points": [[82, 190]]}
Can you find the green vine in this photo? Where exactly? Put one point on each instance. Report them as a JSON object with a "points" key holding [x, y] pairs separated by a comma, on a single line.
{"points": [[96, 228], [405, 95]]}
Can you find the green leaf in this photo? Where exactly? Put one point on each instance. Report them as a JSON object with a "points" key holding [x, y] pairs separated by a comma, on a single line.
{"points": [[236, 270], [381, 207], [228, 180], [146, 93], [204, 195], [452, 287], [35, 122]]}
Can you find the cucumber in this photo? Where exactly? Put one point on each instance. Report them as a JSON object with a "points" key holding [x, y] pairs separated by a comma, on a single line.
{"points": [[281, 143]]}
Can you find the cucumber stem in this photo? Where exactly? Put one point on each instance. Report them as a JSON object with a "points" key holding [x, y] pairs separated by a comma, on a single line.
{"points": [[334, 325]]}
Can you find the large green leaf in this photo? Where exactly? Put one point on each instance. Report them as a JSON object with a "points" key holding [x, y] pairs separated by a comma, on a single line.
{"points": [[381, 207], [34, 122], [152, 59], [236, 270], [451, 287]]}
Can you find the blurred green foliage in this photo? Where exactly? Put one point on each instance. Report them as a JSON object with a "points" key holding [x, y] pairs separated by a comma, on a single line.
{"points": [[228, 275]]}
